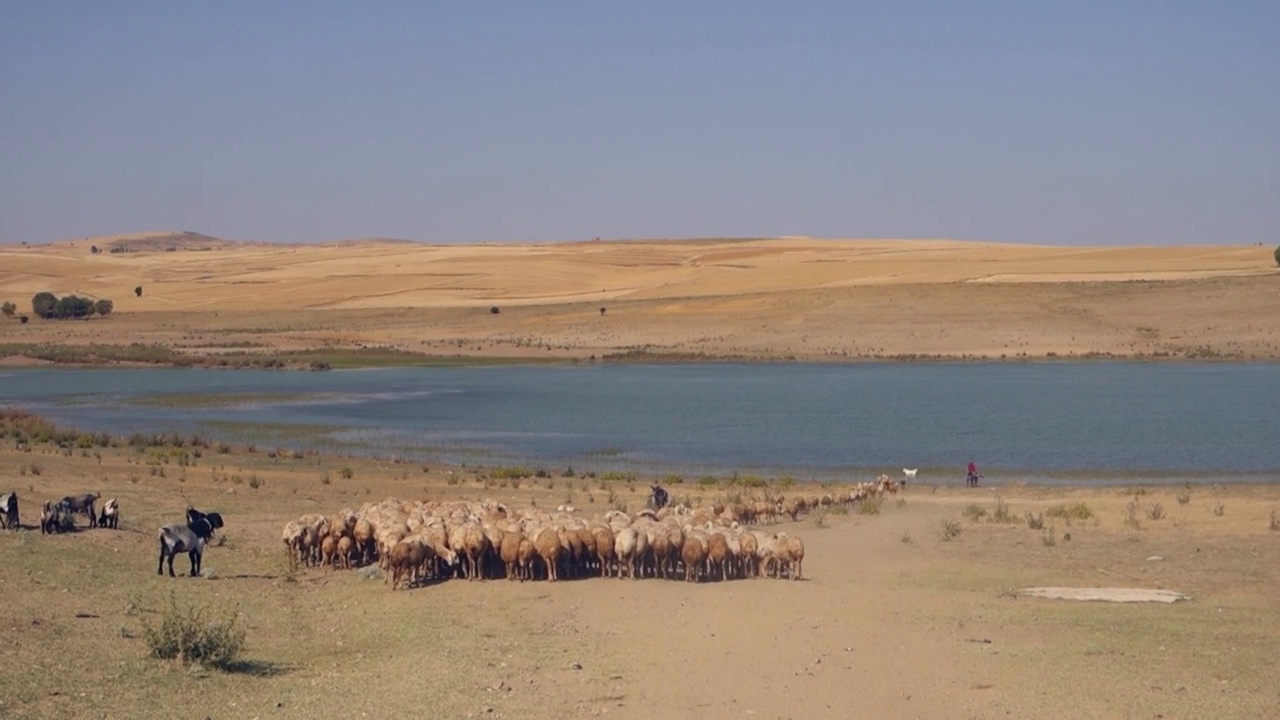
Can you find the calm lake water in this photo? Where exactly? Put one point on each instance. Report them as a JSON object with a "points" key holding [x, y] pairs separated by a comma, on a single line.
{"points": [[1078, 422]]}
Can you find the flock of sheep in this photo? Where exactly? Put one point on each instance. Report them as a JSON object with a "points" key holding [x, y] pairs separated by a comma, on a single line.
{"points": [[416, 541]]}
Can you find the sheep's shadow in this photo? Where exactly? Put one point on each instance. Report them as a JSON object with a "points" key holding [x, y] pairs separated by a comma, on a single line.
{"points": [[257, 668]]}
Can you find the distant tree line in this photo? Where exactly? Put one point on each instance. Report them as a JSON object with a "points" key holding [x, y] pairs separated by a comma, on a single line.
{"points": [[50, 307]]}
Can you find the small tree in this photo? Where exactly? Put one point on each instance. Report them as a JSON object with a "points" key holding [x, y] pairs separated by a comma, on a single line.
{"points": [[494, 310], [8, 309], [138, 291], [43, 304], [1278, 255], [104, 307]]}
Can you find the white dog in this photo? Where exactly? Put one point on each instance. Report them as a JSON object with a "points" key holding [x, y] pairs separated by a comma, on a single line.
{"points": [[909, 474]]}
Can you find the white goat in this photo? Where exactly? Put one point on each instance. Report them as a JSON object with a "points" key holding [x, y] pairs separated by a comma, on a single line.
{"points": [[909, 474]]}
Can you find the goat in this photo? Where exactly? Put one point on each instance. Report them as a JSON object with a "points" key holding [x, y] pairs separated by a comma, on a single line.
{"points": [[110, 514], [55, 518], [909, 474], [191, 539], [83, 504], [213, 518], [9, 511]]}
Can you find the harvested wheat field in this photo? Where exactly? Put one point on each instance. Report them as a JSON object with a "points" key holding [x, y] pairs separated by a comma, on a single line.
{"points": [[911, 604], [775, 298]]}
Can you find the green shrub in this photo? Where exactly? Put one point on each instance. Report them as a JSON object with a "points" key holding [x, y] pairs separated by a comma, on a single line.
{"points": [[194, 634]]}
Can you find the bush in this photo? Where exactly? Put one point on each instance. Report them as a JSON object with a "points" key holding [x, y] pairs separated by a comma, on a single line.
{"points": [[1277, 255], [975, 512], [192, 634], [1155, 512], [1184, 498], [869, 506], [346, 473], [950, 529], [1035, 522], [8, 309]]}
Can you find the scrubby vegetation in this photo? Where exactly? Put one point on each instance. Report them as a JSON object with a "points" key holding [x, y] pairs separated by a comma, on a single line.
{"points": [[194, 634]]}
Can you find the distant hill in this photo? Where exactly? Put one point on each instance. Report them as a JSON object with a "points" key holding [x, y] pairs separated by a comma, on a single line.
{"points": [[163, 241]]}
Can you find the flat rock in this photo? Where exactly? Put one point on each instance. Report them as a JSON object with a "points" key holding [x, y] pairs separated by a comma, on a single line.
{"points": [[1103, 594]]}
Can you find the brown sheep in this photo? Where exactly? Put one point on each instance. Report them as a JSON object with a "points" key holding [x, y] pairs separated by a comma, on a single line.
{"points": [[718, 556], [345, 547], [747, 547], [509, 551], [694, 555], [328, 546], [475, 545], [526, 553], [366, 543], [549, 549], [605, 550]]}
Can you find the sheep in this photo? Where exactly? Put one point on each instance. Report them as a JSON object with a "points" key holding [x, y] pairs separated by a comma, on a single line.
{"points": [[791, 555], [345, 546], [328, 547], [365, 543], [110, 514], [549, 549], [191, 539], [605, 551], [624, 547], [9, 511], [404, 561], [83, 504], [718, 556], [694, 555], [475, 545], [509, 551]]}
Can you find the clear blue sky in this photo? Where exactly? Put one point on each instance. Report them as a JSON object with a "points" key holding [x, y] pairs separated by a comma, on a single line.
{"points": [[1087, 122]]}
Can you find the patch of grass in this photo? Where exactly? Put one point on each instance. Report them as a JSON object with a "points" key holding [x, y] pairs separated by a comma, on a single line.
{"points": [[1035, 522], [1050, 537], [1155, 512], [1131, 515], [975, 512], [346, 473], [906, 537], [1074, 511], [254, 481], [193, 634], [1002, 514], [868, 506], [708, 481], [819, 519], [324, 478], [614, 476], [1275, 520], [950, 529], [1184, 497], [1219, 509]]}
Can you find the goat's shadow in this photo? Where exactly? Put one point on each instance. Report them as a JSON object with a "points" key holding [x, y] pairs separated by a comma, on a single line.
{"points": [[257, 668]]}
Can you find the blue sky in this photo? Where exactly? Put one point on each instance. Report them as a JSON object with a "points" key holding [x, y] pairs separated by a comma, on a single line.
{"points": [[1067, 123]]}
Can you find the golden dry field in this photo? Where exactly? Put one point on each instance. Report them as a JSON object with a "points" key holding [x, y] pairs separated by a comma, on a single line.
{"points": [[892, 618], [778, 298]]}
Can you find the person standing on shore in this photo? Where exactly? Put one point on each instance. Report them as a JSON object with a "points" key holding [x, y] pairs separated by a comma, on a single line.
{"points": [[972, 478]]}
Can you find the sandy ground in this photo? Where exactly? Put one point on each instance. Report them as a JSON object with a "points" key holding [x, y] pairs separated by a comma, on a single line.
{"points": [[769, 299], [891, 620]]}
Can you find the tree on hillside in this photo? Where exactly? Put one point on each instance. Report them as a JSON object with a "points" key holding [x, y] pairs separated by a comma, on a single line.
{"points": [[1278, 254], [43, 303], [104, 307], [73, 306], [138, 291], [8, 309]]}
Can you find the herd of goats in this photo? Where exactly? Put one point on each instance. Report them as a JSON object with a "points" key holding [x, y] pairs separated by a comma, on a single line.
{"points": [[415, 542]]}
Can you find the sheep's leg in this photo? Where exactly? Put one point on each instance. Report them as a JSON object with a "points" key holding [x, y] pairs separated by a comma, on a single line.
{"points": [[160, 564]]}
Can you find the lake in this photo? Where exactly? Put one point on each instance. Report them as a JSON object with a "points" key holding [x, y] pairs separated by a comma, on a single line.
{"points": [[1039, 422]]}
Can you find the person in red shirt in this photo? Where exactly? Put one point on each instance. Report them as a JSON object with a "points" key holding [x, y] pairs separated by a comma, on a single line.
{"points": [[972, 479]]}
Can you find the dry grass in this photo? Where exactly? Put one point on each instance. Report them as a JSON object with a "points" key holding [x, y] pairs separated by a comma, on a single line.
{"points": [[384, 303], [317, 638]]}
